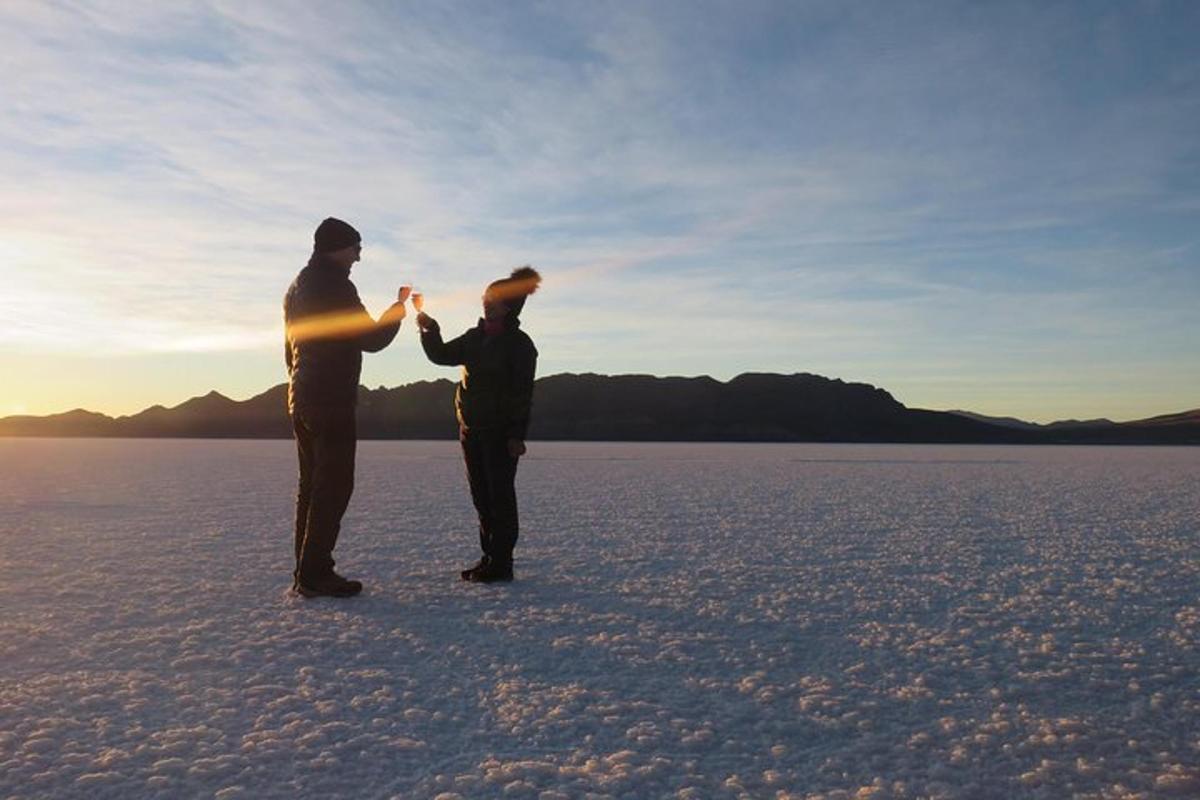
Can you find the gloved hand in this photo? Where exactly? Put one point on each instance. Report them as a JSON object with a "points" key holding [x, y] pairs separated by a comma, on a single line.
{"points": [[427, 323]]}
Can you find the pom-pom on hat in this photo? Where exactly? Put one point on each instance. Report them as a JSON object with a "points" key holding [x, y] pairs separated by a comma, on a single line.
{"points": [[513, 290], [333, 234]]}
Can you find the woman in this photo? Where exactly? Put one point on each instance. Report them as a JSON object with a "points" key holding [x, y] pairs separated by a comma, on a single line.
{"points": [[492, 402]]}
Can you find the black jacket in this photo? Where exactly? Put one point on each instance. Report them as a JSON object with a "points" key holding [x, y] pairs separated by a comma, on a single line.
{"points": [[327, 330], [496, 390]]}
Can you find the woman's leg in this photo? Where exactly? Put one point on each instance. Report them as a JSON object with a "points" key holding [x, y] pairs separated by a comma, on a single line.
{"points": [[477, 480]]}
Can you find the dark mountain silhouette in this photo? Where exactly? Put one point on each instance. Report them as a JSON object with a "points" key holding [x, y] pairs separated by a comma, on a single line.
{"points": [[1013, 422], [1003, 422], [70, 423], [751, 407], [1182, 418]]}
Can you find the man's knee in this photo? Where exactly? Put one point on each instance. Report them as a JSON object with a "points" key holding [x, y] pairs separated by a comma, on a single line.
{"points": [[333, 484]]}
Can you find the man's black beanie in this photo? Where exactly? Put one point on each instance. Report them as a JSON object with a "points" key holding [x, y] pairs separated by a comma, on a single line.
{"points": [[333, 234]]}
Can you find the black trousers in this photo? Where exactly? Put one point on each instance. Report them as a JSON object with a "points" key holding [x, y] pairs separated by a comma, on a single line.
{"points": [[492, 474], [326, 438]]}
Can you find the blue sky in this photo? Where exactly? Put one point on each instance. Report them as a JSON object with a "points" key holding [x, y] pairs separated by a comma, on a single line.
{"points": [[974, 205]]}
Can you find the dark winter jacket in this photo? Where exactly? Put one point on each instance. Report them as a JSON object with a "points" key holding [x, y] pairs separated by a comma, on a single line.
{"points": [[496, 390], [327, 331]]}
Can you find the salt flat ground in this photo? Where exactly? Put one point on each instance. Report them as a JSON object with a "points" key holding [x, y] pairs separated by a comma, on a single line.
{"points": [[688, 621]]}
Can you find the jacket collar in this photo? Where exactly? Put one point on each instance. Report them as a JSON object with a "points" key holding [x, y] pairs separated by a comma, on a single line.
{"points": [[322, 262], [510, 323]]}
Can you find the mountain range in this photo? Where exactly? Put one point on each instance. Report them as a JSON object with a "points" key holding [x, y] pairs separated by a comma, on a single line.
{"points": [[588, 407]]}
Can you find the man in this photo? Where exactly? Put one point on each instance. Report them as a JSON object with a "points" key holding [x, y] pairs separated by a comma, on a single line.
{"points": [[327, 330]]}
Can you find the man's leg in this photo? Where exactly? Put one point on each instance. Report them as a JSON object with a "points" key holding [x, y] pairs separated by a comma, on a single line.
{"points": [[334, 444], [304, 449]]}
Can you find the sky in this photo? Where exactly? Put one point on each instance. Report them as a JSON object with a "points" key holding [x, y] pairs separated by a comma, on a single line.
{"points": [[984, 206]]}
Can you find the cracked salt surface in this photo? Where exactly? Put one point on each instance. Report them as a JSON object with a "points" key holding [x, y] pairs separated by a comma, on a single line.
{"points": [[762, 621]]}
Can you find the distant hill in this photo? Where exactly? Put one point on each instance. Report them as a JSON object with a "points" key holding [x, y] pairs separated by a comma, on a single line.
{"points": [[752, 407], [1182, 418], [70, 423], [1003, 422], [1013, 422], [1180, 428]]}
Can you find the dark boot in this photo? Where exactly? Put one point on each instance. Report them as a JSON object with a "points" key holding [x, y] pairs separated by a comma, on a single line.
{"points": [[347, 584], [329, 585], [493, 572], [468, 573]]}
